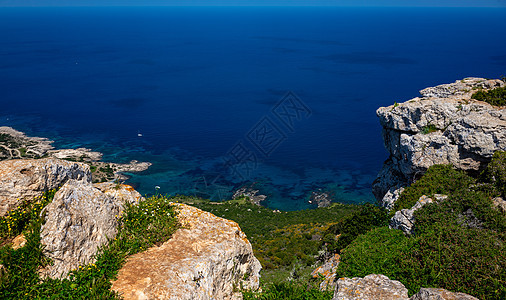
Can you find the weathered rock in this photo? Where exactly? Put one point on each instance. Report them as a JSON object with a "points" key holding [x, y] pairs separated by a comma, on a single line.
{"points": [[251, 193], [23, 180], [404, 219], [499, 203], [440, 294], [328, 272], [79, 220], [445, 126], [19, 242], [371, 287], [120, 193], [206, 259], [391, 197]]}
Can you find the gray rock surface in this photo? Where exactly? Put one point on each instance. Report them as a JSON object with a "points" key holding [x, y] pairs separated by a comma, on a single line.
{"points": [[440, 294], [79, 220], [371, 287], [391, 197], [24, 179], [207, 259], [444, 126], [499, 203], [404, 219]]}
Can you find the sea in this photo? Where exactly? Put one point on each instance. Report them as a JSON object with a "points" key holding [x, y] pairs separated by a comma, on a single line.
{"points": [[276, 99]]}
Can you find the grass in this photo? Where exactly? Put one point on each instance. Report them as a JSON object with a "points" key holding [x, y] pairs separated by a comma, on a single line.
{"points": [[150, 223]]}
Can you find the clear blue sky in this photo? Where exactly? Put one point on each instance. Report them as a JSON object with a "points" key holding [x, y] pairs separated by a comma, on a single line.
{"points": [[452, 3]]}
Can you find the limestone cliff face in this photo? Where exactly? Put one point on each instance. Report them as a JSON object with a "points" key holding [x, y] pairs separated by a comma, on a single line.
{"points": [[444, 126], [207, 259], [25, 179]]}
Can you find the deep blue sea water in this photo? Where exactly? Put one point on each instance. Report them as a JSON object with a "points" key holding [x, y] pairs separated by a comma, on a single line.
{"points": [[197, 82]]}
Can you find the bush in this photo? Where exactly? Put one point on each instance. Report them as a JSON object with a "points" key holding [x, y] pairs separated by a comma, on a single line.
{"points": [[368, 217], [439, 179], [495, 172], [495, 96]]}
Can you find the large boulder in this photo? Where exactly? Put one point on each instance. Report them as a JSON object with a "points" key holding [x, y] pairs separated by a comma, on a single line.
{"points": [[371, 287], [79, 220], [23, 180], [444, 126], [209, 258]]}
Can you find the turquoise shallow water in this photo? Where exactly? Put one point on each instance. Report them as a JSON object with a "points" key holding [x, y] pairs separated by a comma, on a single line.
{"points": [[204, 86]]}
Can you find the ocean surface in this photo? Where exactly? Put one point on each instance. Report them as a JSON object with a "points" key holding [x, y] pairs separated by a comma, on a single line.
{"points": [[281, 99]]}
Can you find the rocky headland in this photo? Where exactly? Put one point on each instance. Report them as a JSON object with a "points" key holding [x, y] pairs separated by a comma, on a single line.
{"points": [[443, 126], [17, 145]]}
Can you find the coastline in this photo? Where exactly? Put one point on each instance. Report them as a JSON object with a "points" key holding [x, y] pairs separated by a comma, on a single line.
{"points": [[15, 144]]}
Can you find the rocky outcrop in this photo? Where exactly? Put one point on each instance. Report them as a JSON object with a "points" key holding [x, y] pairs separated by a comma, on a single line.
{"points": [[380, 287], [207, 259], [371, 287], [444, 126], [440, 294], [79, 220], [120, 193], [327, 272], [404, 219], [23, 180]]}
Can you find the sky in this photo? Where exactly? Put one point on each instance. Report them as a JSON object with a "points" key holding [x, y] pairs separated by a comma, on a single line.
{"points": [[423, 3]]}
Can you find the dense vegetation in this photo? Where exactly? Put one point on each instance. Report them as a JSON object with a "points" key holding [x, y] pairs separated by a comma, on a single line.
{"points": [[495, 96], [439, 179], [458, 244], [21, 279], [287, 244]]}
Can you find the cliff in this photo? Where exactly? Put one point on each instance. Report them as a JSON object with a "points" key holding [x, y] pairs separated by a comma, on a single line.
{"points": [[443, 126]]}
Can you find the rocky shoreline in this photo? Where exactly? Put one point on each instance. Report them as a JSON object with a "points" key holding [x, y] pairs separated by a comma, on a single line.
{"points": [[15, 144]]}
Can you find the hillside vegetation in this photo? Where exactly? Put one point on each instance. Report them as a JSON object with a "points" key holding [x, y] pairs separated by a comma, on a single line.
{"points": [[459, 243]]}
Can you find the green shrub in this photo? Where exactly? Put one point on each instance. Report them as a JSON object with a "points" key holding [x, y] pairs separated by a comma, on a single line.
{"points": [[439, 179], [367, 217], [429, 128], [458, 243], [495, 172], [495, 96]]}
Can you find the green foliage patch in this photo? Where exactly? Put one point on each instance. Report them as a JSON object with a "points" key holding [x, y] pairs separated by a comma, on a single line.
{"points": [[458, 243], [495, 172], [367, 217], [495, 96], [439, 179]]}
